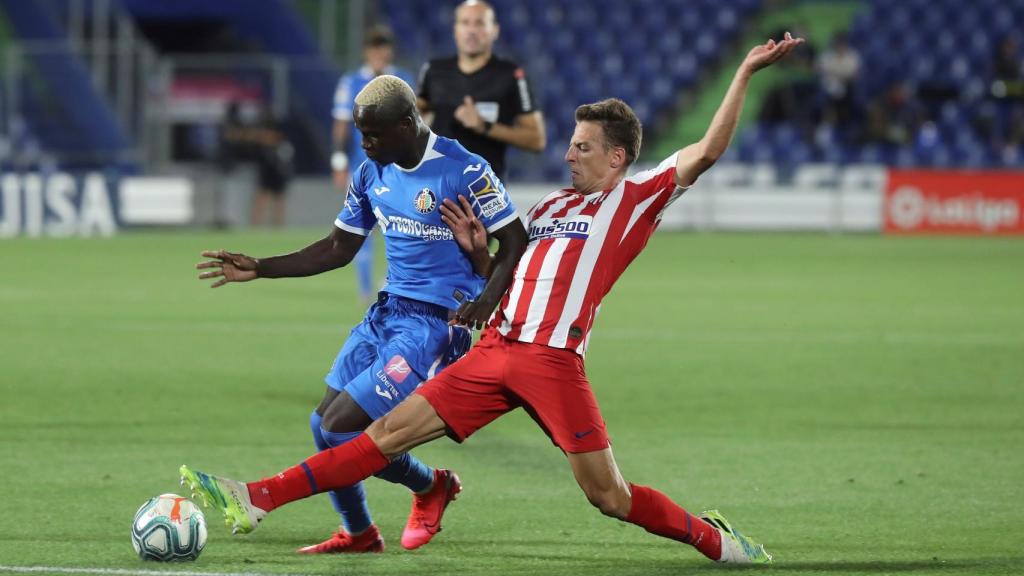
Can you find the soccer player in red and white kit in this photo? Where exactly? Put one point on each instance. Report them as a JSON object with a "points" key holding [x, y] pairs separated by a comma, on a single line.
{"points": [[531, 354]]}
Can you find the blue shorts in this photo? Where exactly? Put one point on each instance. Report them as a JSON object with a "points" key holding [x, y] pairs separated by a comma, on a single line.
{"points": [[400, 344]]}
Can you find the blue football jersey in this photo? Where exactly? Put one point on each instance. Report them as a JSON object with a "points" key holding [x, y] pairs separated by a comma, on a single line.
{"points": [[345, 98], [424, 261]]}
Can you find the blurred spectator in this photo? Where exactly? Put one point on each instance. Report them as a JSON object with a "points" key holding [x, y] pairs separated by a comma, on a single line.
{"points": [[378, 54], [895, 117], [274, 160], [1014, 135], [792, 98], [1002, 124], [477, 98], [232, 148], [263, 143], [839, 67], [1006, 67]]}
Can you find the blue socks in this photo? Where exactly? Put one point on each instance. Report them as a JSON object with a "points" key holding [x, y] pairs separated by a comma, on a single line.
{"points": [[350, 502], [408, 471]]}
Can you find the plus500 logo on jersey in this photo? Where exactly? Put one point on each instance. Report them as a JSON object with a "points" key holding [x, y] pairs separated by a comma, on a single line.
{"points": [[575, 227]]}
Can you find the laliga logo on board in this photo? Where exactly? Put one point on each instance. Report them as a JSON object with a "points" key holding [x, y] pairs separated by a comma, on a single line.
{"points": [[910, 209]]}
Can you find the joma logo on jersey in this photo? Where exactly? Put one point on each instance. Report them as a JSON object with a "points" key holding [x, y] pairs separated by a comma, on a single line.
{"points": [[385, 389], [575, 227]]}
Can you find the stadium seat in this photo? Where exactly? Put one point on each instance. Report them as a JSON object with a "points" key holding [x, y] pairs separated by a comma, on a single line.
{"points": [[944, 50], [575, 54]]}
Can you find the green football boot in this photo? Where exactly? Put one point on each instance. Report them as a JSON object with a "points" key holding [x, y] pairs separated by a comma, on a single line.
{"points": [[736, 548], [231, 497]]}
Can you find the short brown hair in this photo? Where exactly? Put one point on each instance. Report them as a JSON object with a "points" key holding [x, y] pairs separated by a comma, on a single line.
{"points": [[378, 36], [619, 122]]}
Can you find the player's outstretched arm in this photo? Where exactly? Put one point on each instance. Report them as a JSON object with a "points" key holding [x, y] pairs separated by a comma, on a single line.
{"points": [[696, 158], [333, 251]]}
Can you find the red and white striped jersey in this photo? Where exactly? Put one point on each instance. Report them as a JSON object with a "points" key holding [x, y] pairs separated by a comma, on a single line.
{"points": [[579, 246]]}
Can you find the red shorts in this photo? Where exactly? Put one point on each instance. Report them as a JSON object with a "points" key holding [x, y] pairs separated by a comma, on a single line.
{"points": [[499, 375]]}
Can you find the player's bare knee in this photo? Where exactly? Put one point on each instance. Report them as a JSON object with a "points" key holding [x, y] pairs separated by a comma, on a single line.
{"points": [[383, 433], [330, 421], [343, 414], [613, 502]]}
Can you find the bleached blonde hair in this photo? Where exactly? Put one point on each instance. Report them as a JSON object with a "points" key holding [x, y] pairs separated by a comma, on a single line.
{"points": [[386, 91]]}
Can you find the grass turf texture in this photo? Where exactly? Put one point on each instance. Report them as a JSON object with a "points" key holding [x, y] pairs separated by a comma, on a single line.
{"points": [[855, 402]]}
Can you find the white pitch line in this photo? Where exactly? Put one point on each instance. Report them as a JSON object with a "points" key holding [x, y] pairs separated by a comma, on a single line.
{"points": [[126, 572]]}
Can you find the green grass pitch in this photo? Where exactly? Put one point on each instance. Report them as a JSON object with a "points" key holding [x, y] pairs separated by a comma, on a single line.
{"points": [[854, 402]]}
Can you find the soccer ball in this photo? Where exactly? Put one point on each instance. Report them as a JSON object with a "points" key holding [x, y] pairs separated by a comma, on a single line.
{"points": [[168, 528]]}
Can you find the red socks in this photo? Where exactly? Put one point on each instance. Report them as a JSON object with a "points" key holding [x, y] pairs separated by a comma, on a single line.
{"points": [[338, 467], [658, 514], [353, 461]]}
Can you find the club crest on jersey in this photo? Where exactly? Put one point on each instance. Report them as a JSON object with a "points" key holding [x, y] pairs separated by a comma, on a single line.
{"points": [[426, 201], [575, 227]]}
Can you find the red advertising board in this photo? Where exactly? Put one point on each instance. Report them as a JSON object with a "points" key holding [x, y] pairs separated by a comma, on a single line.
{"points": [[953, 202]]}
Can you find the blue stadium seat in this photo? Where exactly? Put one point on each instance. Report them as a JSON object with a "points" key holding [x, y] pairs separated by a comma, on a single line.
{"points": [[944, 50], [643, 51]]}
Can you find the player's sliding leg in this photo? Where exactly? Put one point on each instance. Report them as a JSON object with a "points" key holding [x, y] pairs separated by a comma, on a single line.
{"points": [[599, 477], [412, 423]]}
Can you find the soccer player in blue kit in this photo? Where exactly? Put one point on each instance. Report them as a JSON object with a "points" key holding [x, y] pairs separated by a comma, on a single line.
{"points": [[417, 327], [378, 53]]}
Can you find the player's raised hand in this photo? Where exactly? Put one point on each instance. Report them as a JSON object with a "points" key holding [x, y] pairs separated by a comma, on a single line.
{"points": [[228, 266], [767, 54], [468, 230]]}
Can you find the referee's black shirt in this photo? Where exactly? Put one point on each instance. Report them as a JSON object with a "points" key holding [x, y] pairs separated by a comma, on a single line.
{"points": [[501, 93]]}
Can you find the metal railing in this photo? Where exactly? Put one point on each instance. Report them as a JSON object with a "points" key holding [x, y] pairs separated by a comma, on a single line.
{"points": [[137, 84], [36, 109]]}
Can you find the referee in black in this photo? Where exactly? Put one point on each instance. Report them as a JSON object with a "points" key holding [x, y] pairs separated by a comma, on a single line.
{"points": [[477, 98]]}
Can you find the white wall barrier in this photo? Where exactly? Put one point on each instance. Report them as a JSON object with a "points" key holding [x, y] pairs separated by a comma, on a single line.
{"points": [[756, 197], [737, 197], [59, 204]]}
